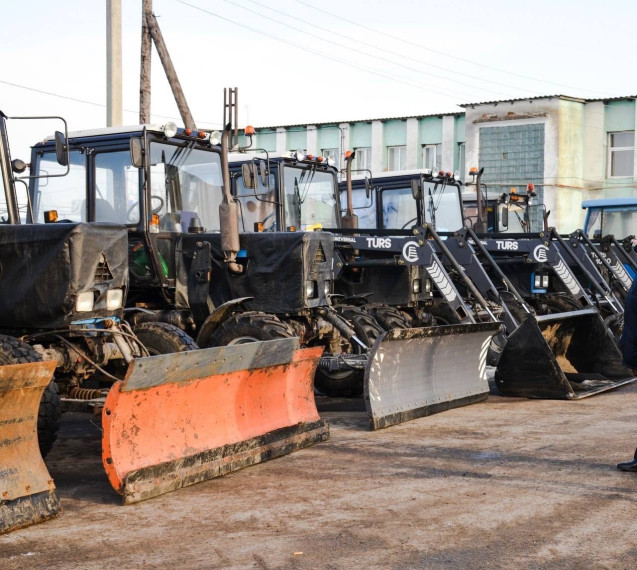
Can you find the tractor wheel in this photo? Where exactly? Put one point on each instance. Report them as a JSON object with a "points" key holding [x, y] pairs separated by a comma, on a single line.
{"points": [[349, 383], [13, 351], [252, 326], [444, 315], [163, 338], [390, 318]]}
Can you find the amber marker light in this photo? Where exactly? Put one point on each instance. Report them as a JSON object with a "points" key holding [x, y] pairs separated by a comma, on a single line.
{"points": [[50, 217], [249, 131], [188, 132]]}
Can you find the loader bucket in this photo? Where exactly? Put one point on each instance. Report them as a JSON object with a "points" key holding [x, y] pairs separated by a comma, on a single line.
{"points": [[178, 419], [561, 356], [27, 492], [418, 372]]}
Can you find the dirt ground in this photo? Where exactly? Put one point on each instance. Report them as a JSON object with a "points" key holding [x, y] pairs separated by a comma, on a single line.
{"points": [[508, 483]]}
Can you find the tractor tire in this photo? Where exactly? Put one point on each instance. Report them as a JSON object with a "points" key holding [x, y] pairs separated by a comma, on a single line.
{"points": [[163, 338], [13, 351], [251, 326], [444, 315], [390, 318], [346, 383]]}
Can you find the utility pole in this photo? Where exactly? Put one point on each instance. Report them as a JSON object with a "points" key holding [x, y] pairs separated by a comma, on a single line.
{"points": [[144, 79], [171, 74], [113, 63]]}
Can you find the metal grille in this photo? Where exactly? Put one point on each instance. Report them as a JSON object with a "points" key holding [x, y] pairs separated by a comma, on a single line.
{"points": [[319, 256], [102, 272]]}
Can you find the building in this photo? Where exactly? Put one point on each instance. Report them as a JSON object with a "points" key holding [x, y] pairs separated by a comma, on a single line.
{"points": [[572, 149]]}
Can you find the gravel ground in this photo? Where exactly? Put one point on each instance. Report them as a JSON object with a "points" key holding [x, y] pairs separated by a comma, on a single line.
{"points": [[507, 483]]}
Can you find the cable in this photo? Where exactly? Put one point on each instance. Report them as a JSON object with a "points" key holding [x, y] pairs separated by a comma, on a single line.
{"points": [[91, 102], [367, 54], [340, 18], [325, 56]]}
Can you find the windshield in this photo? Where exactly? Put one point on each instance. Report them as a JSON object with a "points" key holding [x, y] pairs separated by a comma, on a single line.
{"points": [[309, 197], [364, 207], [256, 205], [620, 222], [399, 208], [66, 194], [185, 182], [443, 207]]}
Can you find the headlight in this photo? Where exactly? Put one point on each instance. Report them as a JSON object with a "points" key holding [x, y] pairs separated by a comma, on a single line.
{"points": [[415, 286], [428, 286], [331, 162], [170, 130], [114, 299], [310, 289], [84, 302], [545, 281], [215, 138], [537, 281], [300, 155], [327, 288]]}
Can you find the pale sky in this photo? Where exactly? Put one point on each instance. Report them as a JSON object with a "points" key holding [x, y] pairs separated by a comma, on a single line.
{"points": [[298, 61]]}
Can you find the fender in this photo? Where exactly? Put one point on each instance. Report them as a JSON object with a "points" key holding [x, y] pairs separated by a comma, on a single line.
{"points": [[220, 314]]}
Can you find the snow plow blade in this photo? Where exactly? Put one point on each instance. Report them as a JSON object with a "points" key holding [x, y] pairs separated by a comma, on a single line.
{"points": [[178, 419], [418, 372], [562, 356], [27, 492]]}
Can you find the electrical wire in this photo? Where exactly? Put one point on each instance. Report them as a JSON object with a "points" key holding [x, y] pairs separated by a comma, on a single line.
{"points": [[102, 105], [367, 54], [342, 19], [314, 52]]}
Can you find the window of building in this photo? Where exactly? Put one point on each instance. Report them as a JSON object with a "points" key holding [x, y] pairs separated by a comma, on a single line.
{"points": [[432, 157], [334, 154], [621, 153], [396, 157], [363, 158]]}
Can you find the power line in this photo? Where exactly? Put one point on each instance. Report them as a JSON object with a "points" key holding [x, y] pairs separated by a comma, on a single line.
{"points": [[102, 105], [314, 52], [352, 49], [322, 11]]}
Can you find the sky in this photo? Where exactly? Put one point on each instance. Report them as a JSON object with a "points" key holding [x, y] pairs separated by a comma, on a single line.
{"points": [[298, 61]]}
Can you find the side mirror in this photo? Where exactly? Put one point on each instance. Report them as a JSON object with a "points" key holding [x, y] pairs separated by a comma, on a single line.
{"points": [[136, 152], [249, 174], [368, 188], [263, 173], [503, 216], [416, 189], [61, 149]]}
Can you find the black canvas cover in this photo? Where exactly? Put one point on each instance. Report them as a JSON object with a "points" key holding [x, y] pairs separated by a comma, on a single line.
{"points": [[44, 267], [277, 266]]}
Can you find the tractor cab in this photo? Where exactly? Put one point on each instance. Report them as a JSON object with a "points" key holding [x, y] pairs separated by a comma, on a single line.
{"points": [[285, 193]]}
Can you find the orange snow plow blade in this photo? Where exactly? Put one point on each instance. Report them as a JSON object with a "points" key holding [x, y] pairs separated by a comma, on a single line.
{"points": [[178, 419], [27, 492]]}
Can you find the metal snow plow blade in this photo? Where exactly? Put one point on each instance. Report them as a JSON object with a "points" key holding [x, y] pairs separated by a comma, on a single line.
{"points": [[178, 419], [423, 371], [27, 492], [562, 356]]}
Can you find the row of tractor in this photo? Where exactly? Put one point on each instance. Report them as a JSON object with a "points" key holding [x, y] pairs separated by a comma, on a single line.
{"points": [[194, 294]]}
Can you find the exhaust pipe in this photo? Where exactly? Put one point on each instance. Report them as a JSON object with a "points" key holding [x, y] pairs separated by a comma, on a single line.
{"points": [[350, 219], [228, 212]]}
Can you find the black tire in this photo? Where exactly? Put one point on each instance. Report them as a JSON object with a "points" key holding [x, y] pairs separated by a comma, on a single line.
{"points": [[349, 383], [13, 351], [251, 326], [390, 318], [444, 315], [163, 338]]}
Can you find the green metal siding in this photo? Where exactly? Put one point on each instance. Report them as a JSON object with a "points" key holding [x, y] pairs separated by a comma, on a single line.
{"points": [[328, 136], [619, 116], [395, 133], [459, 125], [430, 129], [360, 135], [266, 140], [296, 140]]}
